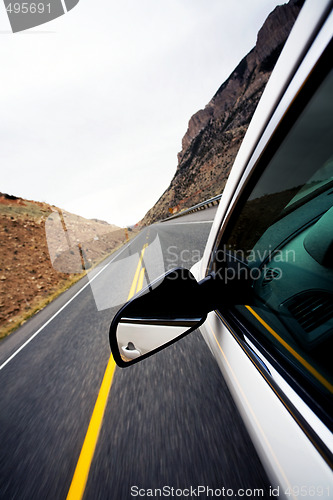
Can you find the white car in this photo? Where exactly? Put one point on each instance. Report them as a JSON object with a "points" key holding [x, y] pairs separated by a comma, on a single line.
{"points": [[263, 294]]}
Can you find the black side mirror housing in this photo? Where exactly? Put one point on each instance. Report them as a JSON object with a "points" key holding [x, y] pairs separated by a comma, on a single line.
{"points": [[170, 308], [165, 311]]}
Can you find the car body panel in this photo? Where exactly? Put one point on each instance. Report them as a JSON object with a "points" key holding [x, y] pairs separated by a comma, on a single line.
{"points": [[286, 451]]}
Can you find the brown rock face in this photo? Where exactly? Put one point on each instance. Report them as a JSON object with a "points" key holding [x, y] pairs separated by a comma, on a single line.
{"points": [[215, 133], [43, 249]]}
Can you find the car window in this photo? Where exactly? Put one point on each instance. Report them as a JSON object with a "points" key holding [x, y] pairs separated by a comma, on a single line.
{"points": [[284, 232]]}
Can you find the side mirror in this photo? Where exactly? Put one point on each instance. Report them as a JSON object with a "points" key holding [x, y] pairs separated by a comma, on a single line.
{"points": [[173, 306], [168, 309]]}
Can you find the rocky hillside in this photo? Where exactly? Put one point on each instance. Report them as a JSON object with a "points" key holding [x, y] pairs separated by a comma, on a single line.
{"points": [[215, 133], [43, 251]]}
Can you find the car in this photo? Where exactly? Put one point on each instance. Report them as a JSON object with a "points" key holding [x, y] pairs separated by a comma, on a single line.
{"points": [[262, 294]]}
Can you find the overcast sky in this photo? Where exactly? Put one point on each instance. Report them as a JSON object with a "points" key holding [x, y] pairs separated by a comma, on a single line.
{"points": [[94, 105]]}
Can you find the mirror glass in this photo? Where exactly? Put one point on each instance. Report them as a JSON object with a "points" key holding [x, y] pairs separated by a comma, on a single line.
{"points": [[137, 337], [164, 311]]}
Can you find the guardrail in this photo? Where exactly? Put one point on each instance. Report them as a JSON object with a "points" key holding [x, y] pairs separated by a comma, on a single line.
{"points": [[200, 206]]}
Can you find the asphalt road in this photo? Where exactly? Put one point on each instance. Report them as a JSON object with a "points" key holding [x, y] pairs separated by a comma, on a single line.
{"points": [[169, 421]]}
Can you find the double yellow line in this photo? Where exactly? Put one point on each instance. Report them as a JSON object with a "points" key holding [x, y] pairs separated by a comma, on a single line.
{"points": [[82, 469], [138, 276]]}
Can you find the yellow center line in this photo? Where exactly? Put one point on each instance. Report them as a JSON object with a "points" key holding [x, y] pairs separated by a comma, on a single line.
{"points": [[81, 473], [83, 465], [292, 351], [140, 280], [137, 272]]}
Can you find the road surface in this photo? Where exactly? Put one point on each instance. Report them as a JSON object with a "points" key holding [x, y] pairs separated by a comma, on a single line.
{"points": [[169, 420]]}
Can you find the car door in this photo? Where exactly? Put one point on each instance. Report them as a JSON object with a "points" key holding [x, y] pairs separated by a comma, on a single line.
{"points": [[275, 346]]}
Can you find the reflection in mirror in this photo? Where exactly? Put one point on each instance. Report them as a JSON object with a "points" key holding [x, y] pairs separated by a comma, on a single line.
{"points": [[137, 337]]}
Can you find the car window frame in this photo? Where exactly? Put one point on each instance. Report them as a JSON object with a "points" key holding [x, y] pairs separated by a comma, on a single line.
{"points": [[234, 323]]}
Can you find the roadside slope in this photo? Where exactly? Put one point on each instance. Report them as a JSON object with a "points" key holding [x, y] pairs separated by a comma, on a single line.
{"points": [[35, 268]]}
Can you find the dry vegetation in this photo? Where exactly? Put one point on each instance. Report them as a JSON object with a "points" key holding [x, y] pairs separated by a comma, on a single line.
{"points": [[44, 250]]}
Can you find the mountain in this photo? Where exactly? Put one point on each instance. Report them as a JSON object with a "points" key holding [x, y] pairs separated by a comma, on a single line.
{"points": [[215, 133], [44, 250]]}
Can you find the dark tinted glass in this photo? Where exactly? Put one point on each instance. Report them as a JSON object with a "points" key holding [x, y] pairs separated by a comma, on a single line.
{"points": [[285, 234]]}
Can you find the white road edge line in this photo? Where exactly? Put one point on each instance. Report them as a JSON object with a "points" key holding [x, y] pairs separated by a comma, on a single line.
{"points": [[59, 311]]}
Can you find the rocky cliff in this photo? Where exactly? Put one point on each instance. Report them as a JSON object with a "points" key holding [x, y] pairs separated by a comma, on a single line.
{"points": [[215, 133]]}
